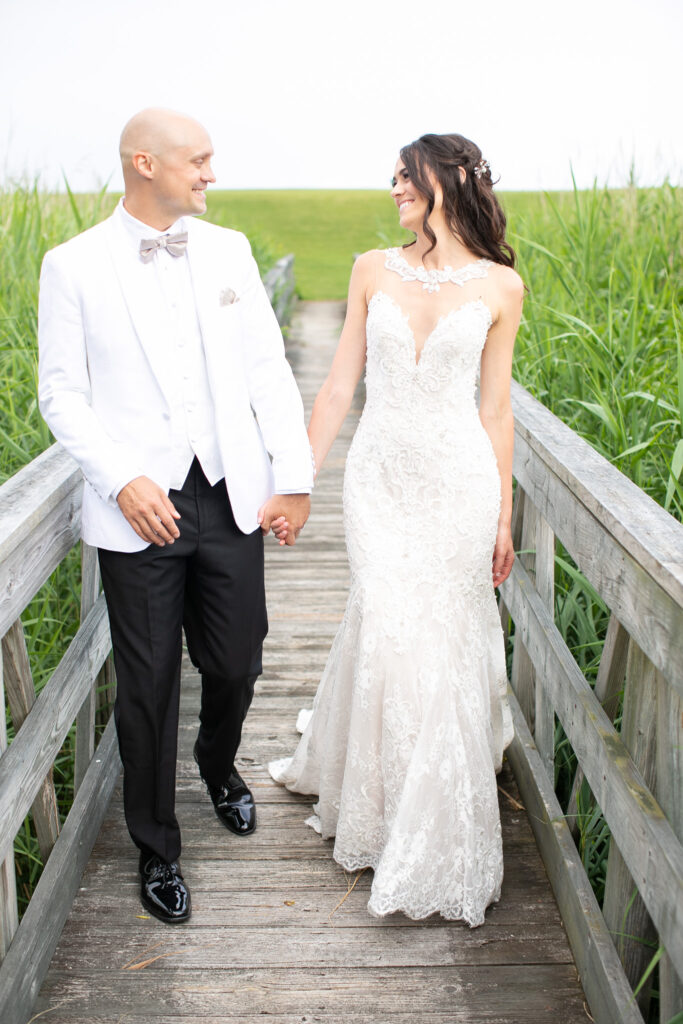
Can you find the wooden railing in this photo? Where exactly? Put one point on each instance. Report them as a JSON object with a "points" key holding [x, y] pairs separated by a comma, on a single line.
{"points": [[280, 285], [631, 552], [40, 510]]}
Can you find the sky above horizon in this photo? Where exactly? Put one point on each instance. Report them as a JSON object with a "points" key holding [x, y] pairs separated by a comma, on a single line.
{"points": [[309, 94]]}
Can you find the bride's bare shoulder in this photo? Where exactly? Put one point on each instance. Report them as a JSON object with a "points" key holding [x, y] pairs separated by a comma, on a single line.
{"points": [[365, 267], [509, 282], [371, 259]]}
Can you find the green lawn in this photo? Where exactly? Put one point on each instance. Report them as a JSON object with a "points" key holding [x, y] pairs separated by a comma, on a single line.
{"points": [[323, 228]]}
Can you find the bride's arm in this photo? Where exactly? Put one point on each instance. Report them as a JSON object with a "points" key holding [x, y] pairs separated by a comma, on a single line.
{"points": [[335, 396], [495, 410]]}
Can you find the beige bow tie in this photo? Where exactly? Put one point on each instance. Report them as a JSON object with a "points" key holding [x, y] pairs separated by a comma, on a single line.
{"points": [[175, 244]]}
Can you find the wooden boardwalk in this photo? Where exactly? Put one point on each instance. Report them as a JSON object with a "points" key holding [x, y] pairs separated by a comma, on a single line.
{"points": [[269, 938]]}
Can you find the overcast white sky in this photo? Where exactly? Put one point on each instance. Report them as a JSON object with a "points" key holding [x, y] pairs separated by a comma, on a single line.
{"points": [[318, 94]]}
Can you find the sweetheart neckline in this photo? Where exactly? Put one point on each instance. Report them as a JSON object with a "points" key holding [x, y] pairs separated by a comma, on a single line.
{"points": [[444, 316]]}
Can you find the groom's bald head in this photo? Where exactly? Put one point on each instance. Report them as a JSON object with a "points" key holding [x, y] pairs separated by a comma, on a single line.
{"points": [[158, 131], [166, 160]]}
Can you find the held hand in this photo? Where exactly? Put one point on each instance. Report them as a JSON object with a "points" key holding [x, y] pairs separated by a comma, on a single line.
{"points": [[149, 511], [285, 514], [503, 556]]}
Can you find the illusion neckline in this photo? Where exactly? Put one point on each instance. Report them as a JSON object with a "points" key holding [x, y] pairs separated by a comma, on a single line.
{"points": [[417, 356], [433, 279]]}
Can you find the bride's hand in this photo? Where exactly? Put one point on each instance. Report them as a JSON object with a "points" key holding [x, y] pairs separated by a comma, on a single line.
{"points": [[503, 556]]}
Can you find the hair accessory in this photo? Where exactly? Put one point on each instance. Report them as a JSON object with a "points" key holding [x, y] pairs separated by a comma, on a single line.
{"points": [[481, 168]]}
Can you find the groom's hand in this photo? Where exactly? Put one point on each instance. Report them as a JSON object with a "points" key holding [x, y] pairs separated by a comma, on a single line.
{"points": [[285, 514], [149, 511]]}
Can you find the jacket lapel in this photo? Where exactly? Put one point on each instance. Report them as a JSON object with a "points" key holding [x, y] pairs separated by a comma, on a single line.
{"points": [[209, 270], [205, 274], [144, 302]]}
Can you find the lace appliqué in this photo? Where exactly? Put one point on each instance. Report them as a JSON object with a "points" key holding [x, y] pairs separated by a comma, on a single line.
{"points": [[433, 279]]}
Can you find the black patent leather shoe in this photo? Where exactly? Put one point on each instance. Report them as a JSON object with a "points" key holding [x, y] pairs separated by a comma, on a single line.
{"points": [[163, 892], [233, 802]]}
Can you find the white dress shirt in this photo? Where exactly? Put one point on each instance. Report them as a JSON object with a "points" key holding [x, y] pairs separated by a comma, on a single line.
{"points": [[192, 428]]}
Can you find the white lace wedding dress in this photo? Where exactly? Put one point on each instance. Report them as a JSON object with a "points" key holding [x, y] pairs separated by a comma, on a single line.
{"points": [[410, 719]]}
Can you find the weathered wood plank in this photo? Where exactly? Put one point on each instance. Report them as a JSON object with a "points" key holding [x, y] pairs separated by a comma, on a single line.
{"points": [[602, 976], [623, 909], [544, 572], [670, 795], [9, 914], [28, 959], [29, 758], [608, 686], [522, 673], [85, 719], [252, 947], [280, 285], [618, 787], [21, 696], [630, 515], [647, 597], [510, 996], [40, 515]]}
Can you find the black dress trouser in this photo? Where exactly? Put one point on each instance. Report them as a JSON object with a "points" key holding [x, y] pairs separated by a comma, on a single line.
{"points": [[209, 582]]}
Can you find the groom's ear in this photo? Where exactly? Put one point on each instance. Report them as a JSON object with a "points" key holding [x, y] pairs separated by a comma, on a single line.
{"points": [[142, 162]]}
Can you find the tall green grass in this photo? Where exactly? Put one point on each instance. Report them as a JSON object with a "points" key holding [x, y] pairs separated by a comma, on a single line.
{"points": [[600, 344]]}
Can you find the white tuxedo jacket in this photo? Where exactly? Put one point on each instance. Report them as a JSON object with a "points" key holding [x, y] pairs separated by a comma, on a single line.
{"points": [[103, 379]]}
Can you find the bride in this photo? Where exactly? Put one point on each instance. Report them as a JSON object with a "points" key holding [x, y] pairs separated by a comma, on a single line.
{"points": [[410, 719]]}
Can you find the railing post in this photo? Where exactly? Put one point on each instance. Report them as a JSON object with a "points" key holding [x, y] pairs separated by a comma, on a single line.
{"points": [[608, 687], [9, 913], [670, 797], [21, 695], [538, 558], [522, 675], [516, 530], [544, 729], [85, 720], [623, 909]]}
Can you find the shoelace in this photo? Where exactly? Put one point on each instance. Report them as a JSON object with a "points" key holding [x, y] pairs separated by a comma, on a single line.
{"points": [[164, 873]]}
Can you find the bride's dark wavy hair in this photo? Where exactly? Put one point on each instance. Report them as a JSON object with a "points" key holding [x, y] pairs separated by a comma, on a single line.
{"points": [[472, 211]]}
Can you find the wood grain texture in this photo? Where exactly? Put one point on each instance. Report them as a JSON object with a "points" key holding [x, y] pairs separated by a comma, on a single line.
{"points": [[85, 719], [608, 687], [40, 516], [602, 976], [626, 512], [9, 914], [623, 909], [32, 752], [652, 852], [544, 573], [24, 967], [21, 697], [638, 576], [277, 932], [670, 795], [522, 672]]}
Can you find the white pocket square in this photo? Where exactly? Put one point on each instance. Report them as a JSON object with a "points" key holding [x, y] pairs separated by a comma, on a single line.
{"points": [[227, 297]]}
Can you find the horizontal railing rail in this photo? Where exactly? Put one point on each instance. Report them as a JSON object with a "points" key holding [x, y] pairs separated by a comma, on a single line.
{"points": [[630, 551], [40, 512]]}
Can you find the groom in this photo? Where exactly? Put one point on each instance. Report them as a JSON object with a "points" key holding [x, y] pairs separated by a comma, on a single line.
{"points": [[162, 371]]}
